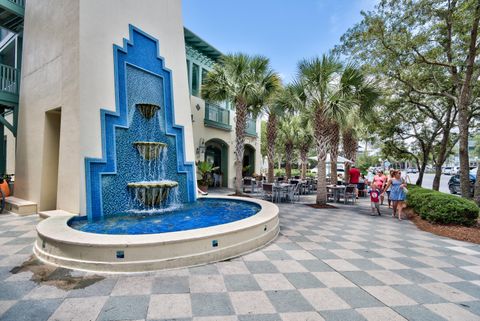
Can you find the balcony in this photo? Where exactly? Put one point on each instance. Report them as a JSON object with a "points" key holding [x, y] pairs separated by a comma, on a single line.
{"points": [[9, 78], [217, 117], [11, 14], [251, 129]]}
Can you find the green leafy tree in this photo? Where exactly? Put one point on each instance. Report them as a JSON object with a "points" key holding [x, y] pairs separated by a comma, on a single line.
{"points": [[288, 136], [248, 82]]}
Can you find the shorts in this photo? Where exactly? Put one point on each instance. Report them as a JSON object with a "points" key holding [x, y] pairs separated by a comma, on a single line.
{"points": [[375, 205]]}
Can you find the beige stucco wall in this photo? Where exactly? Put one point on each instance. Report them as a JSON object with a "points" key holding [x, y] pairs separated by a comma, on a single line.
{"points": [[68, 63], [200, 131]]}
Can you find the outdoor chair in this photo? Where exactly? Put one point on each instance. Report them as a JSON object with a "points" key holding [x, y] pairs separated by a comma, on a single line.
{"points": [[362, 189], [350, 194], [330, 194], [294, 192], [267, 191], [248, 183]]}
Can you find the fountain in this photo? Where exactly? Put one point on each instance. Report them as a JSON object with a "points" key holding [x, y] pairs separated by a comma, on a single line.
{"points": [[141, 208]]}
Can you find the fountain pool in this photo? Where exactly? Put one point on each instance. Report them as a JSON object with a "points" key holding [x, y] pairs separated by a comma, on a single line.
{"points": [[144, 170]]}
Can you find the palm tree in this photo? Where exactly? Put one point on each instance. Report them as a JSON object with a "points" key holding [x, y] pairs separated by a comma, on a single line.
{"points": [[248, 82], [330, 92], [288, 130], [305, 142]]}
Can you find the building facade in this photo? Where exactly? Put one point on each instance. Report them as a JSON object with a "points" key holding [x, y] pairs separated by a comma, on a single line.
{"points": [[214, 123]]}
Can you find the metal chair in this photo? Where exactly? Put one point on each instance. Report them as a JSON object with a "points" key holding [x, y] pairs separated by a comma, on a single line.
{"points": [[267, 191], [350, 194], [362, 190], [330, 194], [248, 183]]}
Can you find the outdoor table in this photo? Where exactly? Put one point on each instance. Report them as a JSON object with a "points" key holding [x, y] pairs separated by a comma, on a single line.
{"points": [[336, 191], [278, 188]]}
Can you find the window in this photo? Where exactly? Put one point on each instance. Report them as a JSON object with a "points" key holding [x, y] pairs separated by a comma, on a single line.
{"points": [[195, 79], [204, 75], [188, 72]]}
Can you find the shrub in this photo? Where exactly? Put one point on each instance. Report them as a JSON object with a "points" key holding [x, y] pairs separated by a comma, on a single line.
{"points": [[441, 208]]}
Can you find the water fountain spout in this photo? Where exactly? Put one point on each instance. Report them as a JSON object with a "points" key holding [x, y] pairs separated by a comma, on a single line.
{"points": [[149, 150], [147, 110]]}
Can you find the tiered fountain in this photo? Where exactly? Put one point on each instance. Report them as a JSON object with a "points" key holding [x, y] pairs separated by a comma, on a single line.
{"points": [[151, 194], [142, 212]]}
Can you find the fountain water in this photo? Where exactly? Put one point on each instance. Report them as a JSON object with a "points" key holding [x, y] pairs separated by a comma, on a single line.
{"points": [[151, 193]]}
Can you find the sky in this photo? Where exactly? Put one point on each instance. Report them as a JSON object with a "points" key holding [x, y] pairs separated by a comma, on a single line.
{"points": [[285, 31]]}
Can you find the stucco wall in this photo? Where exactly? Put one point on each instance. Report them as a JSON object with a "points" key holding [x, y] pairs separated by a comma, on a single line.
{"points": [[68, 63]]}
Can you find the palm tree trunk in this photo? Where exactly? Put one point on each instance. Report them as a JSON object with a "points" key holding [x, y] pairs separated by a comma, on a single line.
{"points": [[321, 140], [350, 145], [288, 160], [271, 137], [334, 142], [240, 125], [303, 158]]}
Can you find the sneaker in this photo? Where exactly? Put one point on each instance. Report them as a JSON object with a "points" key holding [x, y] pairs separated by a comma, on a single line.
{"points": [[379, 214]]}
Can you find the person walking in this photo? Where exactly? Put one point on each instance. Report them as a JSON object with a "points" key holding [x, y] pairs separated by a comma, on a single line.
{"points": [[398, 193], [354, 174], [380, 180]]}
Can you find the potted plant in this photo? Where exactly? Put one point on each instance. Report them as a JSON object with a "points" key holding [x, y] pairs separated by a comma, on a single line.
{"points": [[204, 171]]}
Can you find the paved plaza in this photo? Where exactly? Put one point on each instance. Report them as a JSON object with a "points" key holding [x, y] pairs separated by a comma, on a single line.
{"points": [[339, 264]]}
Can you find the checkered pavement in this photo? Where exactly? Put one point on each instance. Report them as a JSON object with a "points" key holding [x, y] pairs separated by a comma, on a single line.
{"points": [[339, 264]]}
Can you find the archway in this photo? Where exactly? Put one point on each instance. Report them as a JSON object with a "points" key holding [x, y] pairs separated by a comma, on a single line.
{"points": [[216, 152], [248, 160]]}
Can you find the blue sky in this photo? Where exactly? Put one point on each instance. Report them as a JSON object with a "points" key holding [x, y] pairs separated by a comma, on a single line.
{"points": [[283, 30]]}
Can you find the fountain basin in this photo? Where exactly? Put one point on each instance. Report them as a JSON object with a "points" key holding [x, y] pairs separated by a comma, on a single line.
{"points": [[152, 193], [148, 110], [149, 150], [58, 243]]}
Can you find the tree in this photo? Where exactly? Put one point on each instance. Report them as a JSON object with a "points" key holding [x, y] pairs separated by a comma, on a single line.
{"points": [[428, 49], [288, 130], [248, 82], [329, 91], [305, 142]]}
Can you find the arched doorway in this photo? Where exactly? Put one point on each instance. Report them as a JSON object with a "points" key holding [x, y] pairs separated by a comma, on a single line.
{"points": [[248, 160], [216, 152]]}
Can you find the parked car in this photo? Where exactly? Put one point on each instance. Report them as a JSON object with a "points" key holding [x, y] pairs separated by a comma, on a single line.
{"points": [[447, 170], [412, 170], [454, 184]]}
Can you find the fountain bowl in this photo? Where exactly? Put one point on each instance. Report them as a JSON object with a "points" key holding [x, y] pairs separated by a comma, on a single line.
{"points": [[59, 244], [147, 110], [152, 193], [149, 150]]}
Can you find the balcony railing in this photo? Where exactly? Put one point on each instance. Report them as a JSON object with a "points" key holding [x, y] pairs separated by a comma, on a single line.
{"points": [[20, 3], [8, 79], [251, 129], [217, 117]]}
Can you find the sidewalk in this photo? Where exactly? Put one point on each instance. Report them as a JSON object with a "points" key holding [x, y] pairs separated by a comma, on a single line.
{"points": [[340, 264]]}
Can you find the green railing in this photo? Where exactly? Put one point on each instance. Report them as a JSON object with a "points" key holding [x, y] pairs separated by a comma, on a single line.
{"points": [[216, 116], [8, 79], [251, 128], [20, 3]]}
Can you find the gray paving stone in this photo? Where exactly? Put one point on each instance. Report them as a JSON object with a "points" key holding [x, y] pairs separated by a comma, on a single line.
{"points": [[411, 263], [26, 250], [100, 288], [204, 269], [365, 264], [473, 307], [417, 313], [418, 293], [414, 276], [12, 233], [304, 280], [124, 308], [289, 301], [34, 310], [277, 255], [366, 253], [171, 284], [342, 315], [15, 290], [21, 240], [259, 317], [315, 265], [290, 246], [324, 254], [462, 273], [257, 267], [241, 282], [361, 278], [211, 304], [357, 297], [467, 287]]}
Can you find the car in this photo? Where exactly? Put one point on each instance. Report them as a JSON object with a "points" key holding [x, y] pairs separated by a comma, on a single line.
{"points": [[412, 170], [454, 184], [447, 170]]}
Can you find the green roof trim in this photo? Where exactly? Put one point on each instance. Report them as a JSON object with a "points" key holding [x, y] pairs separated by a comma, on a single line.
{"points": [[201, 45]]}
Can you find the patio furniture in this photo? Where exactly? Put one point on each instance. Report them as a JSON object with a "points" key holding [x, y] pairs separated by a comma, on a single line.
{"points": [[267, 191], [281, 191], [350, 194], [338, 191], [362, 189], [330, 194], [249, 183]]}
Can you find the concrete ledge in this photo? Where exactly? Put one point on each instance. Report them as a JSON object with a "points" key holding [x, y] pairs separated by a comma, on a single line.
{"points": [[59, 244], [20, 206], [54, 213]]}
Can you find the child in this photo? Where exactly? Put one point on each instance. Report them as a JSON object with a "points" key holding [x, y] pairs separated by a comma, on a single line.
{"points": [[375, 199]]}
